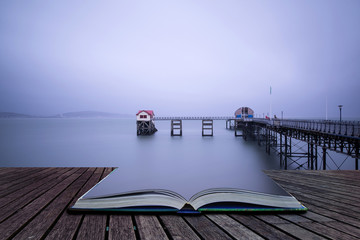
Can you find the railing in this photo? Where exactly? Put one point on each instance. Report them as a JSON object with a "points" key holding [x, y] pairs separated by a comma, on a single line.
{"points": [[346, 128], [193, 118]]}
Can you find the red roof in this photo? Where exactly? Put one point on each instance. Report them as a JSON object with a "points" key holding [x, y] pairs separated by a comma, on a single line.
{"points": [[150, 112]]}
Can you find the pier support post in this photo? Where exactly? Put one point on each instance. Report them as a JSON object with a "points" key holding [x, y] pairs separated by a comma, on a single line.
{"points": [[324, 158], [357, 155], [145, 127], [237, 128], [207, 127], [281, 151], [286, 152], [176, 127]]}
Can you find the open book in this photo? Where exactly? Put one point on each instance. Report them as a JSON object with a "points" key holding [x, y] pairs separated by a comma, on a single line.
{"points": [[114, 193]]}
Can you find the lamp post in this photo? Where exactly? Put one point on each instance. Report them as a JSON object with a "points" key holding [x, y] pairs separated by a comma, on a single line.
{"points": [[340, 107]]}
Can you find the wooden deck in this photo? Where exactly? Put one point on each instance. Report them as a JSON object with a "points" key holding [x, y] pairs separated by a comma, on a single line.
{"points": [[33, 203]]}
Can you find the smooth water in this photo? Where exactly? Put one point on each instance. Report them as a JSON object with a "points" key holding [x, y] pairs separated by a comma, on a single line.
{"points": [[114, 143]]}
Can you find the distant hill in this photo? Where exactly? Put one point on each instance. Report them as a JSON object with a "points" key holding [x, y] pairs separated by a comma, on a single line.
{"points": [[81, 114], [14, 115]]}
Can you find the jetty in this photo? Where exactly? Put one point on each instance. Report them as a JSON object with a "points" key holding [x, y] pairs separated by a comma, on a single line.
{"points": [[280, 136], [34, 203]]}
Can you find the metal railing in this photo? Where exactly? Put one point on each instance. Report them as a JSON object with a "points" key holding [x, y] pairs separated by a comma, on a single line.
{"points": [[346, 128]]}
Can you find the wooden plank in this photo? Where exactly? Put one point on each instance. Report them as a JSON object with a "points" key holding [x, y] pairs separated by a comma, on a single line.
{"points": [[10, 226], [93, 227], [234, 228], [285, 181], [298, 232], [271, 219], [324, 185], [327, 231], [68, 223], [34, 186], [149, 227], [25, 199], [334, 215], [206, 228], [313, 193], [6, 172], [345, 210], [177, 227], [121, 227], [343, 227], [333, 181], [263, 229], [97, 222], [40, 224], [317, 191], [316, 217], [19, 181]]}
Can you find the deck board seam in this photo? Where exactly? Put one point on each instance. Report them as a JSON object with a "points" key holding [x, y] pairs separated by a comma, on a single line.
{"points": [[66, 207]]}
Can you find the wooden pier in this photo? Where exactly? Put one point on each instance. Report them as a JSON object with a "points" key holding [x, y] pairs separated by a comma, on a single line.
{"points": [[34, 202]]}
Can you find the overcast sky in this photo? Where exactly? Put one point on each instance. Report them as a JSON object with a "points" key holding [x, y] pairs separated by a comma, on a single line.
{"points": [[181, 57]]}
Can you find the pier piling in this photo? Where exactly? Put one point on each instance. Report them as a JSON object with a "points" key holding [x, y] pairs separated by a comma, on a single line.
{"points": [[207, 127], [176, 127]]}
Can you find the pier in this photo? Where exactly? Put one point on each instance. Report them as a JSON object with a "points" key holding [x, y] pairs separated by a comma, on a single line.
{"points": [[34, 202], [279, 135]]}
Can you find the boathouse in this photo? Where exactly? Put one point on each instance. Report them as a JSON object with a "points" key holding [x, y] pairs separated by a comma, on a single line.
{"points": [[145, 115], [145, 122], [244, 112]]}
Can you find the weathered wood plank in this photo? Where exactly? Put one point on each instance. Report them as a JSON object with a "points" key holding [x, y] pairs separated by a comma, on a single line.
{"points": [[97, 223], [234, 228], [334, 215], [206, 228], [149, 227], [285, 181], [352, 191], [326, 231], [21, 202], [11, 226], [306, 191], [261, 228], [343, 227], [40, 224], [316, 217], [121, 227], [6, 172], [19, 181], [29, 188], [177, 227], [298, 232], [68, 224], [96, 227]]}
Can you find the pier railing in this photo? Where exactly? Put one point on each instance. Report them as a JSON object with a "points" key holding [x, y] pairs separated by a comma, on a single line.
{"points": [[194, 118], [346, 128]]}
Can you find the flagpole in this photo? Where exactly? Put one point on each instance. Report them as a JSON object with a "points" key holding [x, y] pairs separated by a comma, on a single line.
{"points": [[270, 104], [326, 109]]}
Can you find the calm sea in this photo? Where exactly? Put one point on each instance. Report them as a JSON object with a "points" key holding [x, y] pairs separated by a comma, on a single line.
{"points": [[114, 143]]}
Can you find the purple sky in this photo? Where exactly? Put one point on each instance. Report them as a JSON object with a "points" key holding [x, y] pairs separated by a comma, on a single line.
{"points": [[187, 57]]}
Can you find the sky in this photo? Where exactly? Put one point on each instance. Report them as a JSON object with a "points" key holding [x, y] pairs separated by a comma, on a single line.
{"points": [[183, 58]]}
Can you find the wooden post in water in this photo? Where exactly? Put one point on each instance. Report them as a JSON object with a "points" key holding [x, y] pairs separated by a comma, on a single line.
{"points": [[207, 127], [324, 158], [286, 152], [357, 155], [176, 127], [237, 127], [281, 151]]}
